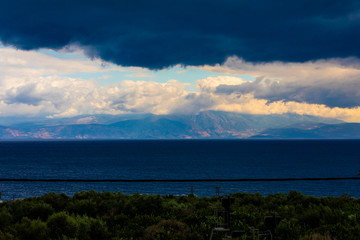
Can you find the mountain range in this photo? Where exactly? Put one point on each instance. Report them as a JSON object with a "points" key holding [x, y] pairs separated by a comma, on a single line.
{"points": [[204, 125]]}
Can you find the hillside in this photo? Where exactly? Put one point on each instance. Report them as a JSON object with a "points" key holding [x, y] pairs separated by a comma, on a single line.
{"points": [[314, 130], [208, 124]]}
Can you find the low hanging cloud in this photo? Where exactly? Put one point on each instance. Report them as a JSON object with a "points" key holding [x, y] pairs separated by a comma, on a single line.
{"points": [[334, 82], [32, 85], [140, 97], [24, 94], [210, 84], [161, 33], [332, 94], [83, 97]]}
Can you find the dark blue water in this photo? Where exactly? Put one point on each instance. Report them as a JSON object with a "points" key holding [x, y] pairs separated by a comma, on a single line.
{"points": [[186, 159]]}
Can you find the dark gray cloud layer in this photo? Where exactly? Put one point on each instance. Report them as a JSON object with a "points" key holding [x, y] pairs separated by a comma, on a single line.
{"points": [[332, 94], [161, 33]]}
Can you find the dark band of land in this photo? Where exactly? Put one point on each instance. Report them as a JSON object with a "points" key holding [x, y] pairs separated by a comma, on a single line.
{"points": [[179, 180]]}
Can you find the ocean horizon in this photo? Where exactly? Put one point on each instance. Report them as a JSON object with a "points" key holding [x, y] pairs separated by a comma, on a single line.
{"points": [[161, 160]]}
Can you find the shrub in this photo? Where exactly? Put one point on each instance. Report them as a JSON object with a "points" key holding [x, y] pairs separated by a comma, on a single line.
{"points": [[317, 236], [5, 218], [32, 229], [61, 224], [6, 236], [169, 229]]}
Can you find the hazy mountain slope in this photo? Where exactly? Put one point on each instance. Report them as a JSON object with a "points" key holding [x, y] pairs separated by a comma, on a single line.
{"points": [[151, 127], [208, 124], [231, 124], [315, 130], [344, 130]]}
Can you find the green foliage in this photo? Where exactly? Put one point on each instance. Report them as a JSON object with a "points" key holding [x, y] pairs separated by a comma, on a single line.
{"points": [[61, 224], [83, 207], [91, 229], [31, 209], [32, 229], [57, 201], [169, 229], [289, 229], [6, 217], [6, 236], [317, 236], [108, 215]]}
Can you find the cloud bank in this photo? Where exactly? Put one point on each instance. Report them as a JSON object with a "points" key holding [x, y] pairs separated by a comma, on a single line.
{"points": [[33, 84], [161, 33], [334, 82]]}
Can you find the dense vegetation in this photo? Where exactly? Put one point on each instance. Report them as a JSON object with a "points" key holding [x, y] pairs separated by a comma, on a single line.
{"points": [[109, 215]]}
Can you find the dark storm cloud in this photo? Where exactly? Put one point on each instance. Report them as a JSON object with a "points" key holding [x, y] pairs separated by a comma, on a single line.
{"points": [[161, 33]]}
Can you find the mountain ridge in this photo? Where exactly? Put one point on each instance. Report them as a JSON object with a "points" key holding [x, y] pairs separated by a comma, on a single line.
{"points": [[204, 125], [317, 131]]}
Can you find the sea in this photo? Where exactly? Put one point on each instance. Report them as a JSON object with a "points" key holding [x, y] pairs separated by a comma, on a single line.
{"points": [[72, 166]]}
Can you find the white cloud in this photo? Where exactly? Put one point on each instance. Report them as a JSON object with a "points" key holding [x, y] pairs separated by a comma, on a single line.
{"points": [[307, 72], [86, 120], [332, 82], [142, 96], [23, 63], [211, 83], [141, 75], [34, 84], [248, 104]]}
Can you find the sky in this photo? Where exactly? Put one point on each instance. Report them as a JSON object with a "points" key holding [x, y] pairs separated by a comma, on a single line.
{"points": [[72, 58]]}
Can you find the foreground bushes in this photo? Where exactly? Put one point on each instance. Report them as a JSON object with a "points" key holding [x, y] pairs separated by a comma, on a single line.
{"points": [[108, 215]]}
